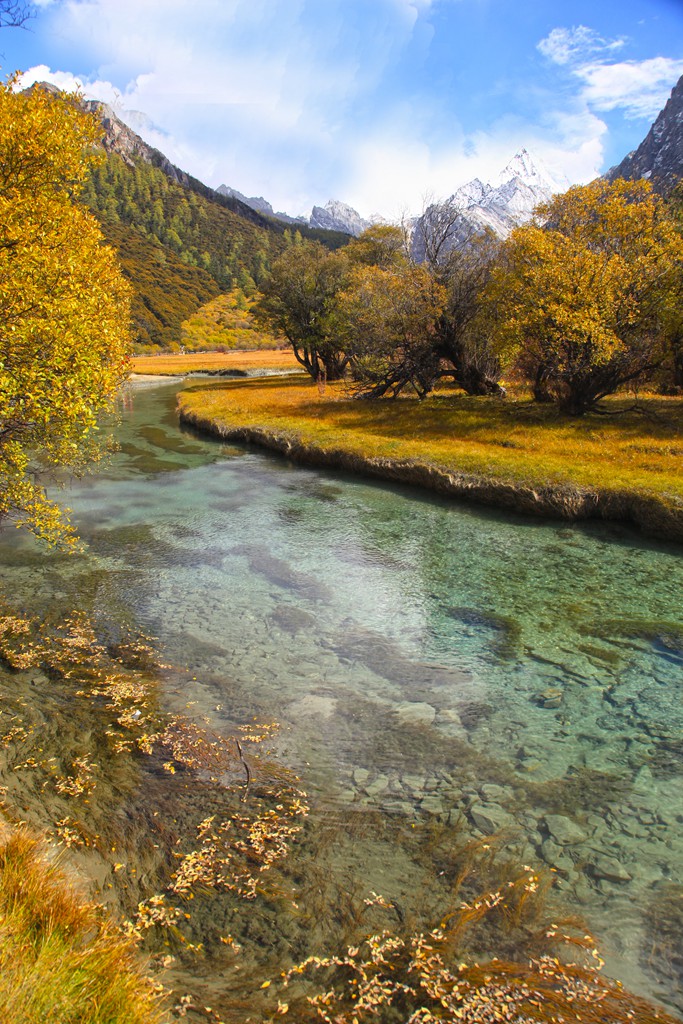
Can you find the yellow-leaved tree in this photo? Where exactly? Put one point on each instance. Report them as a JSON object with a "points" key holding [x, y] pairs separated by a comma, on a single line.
{"points": [[582, 301], [64, 306], [387, 321]]}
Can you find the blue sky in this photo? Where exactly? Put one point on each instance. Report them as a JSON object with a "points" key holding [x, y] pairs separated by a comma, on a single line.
{"points": [[376, 102]]}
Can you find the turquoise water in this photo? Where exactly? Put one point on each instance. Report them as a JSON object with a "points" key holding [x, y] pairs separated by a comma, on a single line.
{"points": [[425, 659]]}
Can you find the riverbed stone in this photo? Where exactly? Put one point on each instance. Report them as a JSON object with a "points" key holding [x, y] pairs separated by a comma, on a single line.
{"points": [[556, 856], [401, 807], [415, 713], [490, 817], [551, 697], [608, 868], [377, 786], [361, 776], [491, 793], [432, 805], [312, 704], [563, 830], [450, 724], [414, 783]]}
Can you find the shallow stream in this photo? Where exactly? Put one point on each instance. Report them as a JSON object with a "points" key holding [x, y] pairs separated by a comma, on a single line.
{"points": [[426, 660]]}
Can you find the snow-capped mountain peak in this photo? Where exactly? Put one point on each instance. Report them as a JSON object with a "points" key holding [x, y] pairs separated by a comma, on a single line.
{"points": [[499, 206], [471, 194], [338, 216], [533, 172]]}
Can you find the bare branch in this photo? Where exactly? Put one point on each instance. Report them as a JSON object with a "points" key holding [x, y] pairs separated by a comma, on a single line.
{"points": [[14, 13]]}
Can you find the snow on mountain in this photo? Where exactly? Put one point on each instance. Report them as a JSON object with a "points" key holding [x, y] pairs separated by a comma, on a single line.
{"points": [[533, 172], [472, 194], [659, 157], [501, 205], [338, 216]]}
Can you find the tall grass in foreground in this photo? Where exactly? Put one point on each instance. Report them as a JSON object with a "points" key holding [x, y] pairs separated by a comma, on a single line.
{"points": [[60, 961]]}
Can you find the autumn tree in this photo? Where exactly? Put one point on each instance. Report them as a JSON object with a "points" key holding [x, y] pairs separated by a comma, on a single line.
{"points": [[673, 367], [296, 301], [380, 245], [579, 299], [460, 256], [462, 333], [439, 229], [387, 319], [63, 304]]}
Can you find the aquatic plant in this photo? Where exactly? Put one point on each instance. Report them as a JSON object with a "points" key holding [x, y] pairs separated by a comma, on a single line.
{"points": [[428, 978], [664, 926]]}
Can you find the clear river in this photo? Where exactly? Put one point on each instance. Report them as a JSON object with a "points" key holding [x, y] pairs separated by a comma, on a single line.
{"points": [[427, 662]]}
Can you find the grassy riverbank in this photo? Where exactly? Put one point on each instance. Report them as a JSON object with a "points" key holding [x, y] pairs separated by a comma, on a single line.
{"points": [[213, 362], [61, 960], [513, 453]]}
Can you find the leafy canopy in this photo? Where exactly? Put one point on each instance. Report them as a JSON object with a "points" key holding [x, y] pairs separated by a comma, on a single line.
{"points": [[388, 320], [582, 299], [297, 300], [64, 309]]}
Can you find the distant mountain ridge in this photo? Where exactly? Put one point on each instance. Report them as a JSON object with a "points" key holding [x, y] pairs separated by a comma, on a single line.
{"points": [[260, 204], [119, 138], [333, 216], [659, 157], [500, 206]]}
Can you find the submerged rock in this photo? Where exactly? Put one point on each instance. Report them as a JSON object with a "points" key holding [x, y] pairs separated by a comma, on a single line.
{"points": [[556, 856], [490, 818], [550, 697], [378, 786], [415, 713], [609, 869], [312, 704], [563, 830]]}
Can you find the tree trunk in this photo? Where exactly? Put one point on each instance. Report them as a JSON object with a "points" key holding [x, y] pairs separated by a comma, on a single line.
{"points": [[541, 385], [678, 367]]}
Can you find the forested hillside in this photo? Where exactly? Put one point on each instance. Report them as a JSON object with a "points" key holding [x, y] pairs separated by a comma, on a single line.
{"points": [[179, 245]]}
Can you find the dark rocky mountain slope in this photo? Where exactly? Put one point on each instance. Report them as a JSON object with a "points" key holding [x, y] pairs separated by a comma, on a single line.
{"points": [[659, 157]]}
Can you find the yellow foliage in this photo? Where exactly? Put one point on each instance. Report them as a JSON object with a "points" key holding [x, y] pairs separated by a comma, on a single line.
{"points": [[225, 322], [215, 362], [584, 299], [64, 310]]}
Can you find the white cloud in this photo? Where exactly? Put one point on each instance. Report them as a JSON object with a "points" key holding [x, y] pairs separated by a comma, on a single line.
{"points": [[258, 94], [95, 90], [639, 88], [565, 45], [284, 98]]}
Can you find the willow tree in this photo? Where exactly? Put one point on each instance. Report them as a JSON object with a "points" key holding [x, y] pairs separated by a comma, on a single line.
{"points": [[296, 301], [387, 319], [580, 301], [64, 314]]}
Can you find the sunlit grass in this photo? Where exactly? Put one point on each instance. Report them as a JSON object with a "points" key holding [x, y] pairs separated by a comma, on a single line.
{"points": [[60, 961], [511, 439], [197, 362]]}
